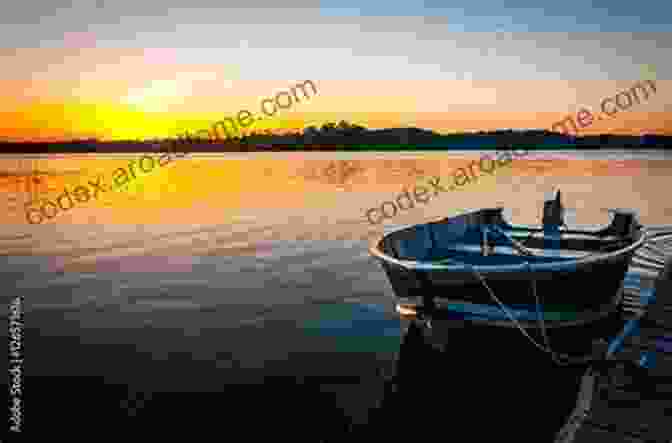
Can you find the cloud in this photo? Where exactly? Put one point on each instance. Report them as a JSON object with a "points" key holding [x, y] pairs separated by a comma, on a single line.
{"points": [[156, 95]]}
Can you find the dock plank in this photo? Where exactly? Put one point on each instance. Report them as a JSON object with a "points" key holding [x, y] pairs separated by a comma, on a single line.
{"points": [[631, 403]]}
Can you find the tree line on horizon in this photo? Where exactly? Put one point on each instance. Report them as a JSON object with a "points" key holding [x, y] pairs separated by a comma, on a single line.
{"points": [[347, 136]]}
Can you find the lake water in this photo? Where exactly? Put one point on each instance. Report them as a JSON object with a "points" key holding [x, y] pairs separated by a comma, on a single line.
{"points": [[228, 278]]}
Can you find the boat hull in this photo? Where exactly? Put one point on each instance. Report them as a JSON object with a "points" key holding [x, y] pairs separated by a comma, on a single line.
{"points": [[586, 287], [571, 278]]}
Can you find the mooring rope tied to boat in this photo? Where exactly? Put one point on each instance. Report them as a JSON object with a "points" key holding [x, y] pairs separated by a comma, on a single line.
{"points": [[656, 250], [652, 261], [662, 239], [659, 263], [645, 268], [654, 257], [656, 246], [638, 263], [547, 349], [540, 319], [648, 255], [644, 256]]}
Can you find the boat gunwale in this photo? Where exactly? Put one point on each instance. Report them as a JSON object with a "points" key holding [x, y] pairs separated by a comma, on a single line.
{"points": [[554, 266]]}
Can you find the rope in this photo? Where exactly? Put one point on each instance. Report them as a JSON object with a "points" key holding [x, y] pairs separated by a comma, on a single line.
{"points": [[525, 251], [568, 360]]}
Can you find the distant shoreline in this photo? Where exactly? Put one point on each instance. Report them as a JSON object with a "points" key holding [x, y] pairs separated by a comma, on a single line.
{"points": [[353, 138], [363, 149]]}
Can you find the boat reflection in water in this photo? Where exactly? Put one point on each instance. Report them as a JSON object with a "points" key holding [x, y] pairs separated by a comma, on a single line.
{"points": [[474, 387]]}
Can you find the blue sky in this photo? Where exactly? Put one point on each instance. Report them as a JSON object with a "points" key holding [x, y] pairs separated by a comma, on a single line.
{"points": [[521, 16], [372, 40]]}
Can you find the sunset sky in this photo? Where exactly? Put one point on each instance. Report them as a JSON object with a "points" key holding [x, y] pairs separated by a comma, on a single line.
{"points": [[121, 69]]}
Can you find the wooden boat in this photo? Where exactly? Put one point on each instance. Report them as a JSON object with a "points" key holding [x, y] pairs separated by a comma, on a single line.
{"points": [[480, 268]]}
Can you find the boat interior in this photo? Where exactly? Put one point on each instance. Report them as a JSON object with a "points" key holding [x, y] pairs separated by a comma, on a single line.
{"points": [[486, 238]]}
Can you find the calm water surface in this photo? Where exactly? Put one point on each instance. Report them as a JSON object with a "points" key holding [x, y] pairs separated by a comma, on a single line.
{"points": [[222, 271]]}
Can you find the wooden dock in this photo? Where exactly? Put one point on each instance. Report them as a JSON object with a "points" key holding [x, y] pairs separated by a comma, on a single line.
{"points": [[631, 399]]}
